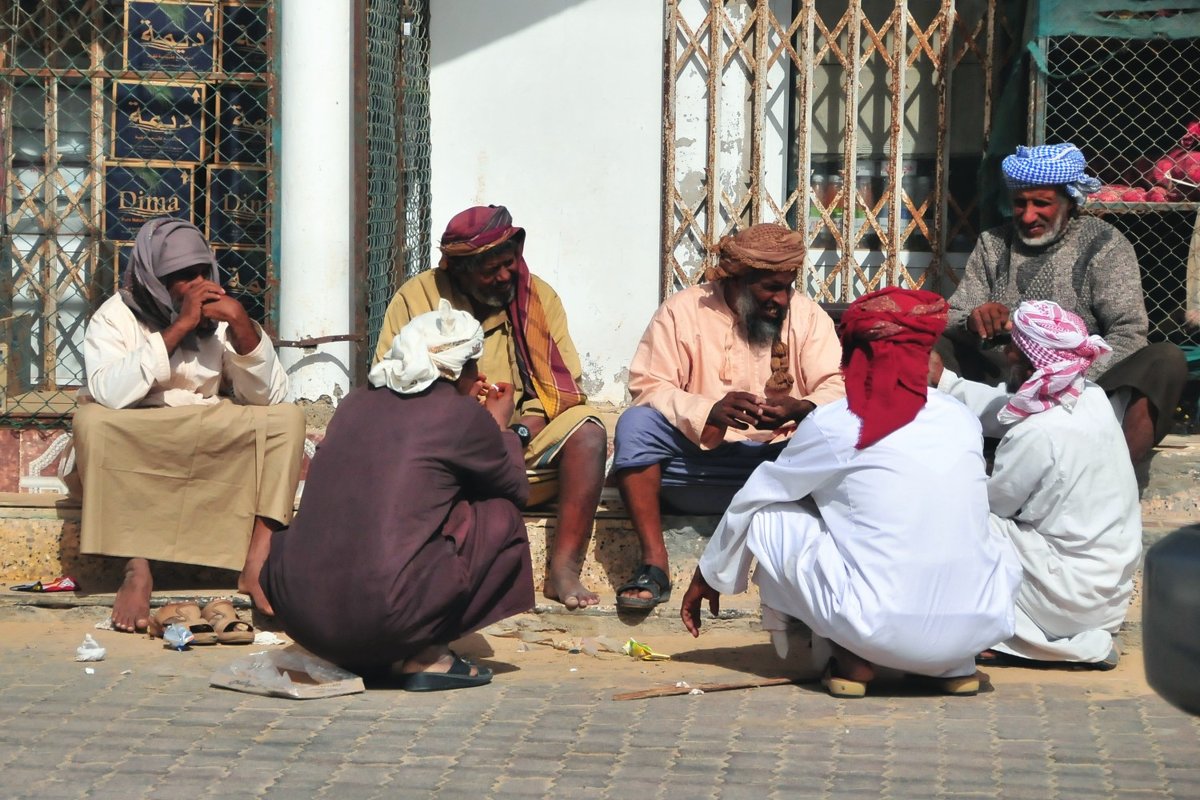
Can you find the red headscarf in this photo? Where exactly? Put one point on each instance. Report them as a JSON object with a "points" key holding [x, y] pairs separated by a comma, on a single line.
{"points": [[477, 230], [886, 339], [539, 361]]}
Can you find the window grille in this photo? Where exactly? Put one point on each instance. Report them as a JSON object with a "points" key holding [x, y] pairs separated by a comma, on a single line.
{"points": [[113, 112]]}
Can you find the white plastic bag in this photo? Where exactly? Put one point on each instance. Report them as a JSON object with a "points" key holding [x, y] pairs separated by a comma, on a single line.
{"points": [[290, 672], [90, 650]]}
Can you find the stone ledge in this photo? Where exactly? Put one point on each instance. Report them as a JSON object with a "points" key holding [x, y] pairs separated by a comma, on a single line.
{"points": [[39, 535]]}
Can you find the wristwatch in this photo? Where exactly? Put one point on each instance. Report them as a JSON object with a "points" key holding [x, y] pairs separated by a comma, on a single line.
{"points": [[522, 433]]}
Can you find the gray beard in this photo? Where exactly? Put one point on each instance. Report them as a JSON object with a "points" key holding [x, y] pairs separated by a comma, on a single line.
{"points": [[759, 331], [495, 300], [1049, 237]]}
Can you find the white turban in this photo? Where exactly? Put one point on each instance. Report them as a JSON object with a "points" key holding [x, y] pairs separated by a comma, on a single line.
{"points": [[434, 345]]}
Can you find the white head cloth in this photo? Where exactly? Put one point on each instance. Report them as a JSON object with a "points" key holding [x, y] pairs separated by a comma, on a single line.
{"points": [[434, 345]]}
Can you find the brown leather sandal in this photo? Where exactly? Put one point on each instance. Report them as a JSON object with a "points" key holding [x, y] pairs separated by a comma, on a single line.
{"points": [[225, 621], [185, 614]]}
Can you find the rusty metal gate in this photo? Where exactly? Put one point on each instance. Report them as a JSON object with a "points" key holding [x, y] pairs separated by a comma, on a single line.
{"points": [[113, 112], [862, 123]]}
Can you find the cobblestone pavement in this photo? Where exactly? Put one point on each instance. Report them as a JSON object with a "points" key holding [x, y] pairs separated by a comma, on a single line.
{"points": [[146, 724]]}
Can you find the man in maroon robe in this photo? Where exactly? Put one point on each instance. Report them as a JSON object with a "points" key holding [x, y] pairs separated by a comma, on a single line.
{"points": [[409, 534]]}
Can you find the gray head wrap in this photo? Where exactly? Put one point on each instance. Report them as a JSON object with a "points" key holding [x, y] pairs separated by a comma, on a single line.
{"points": [[164, 245]]}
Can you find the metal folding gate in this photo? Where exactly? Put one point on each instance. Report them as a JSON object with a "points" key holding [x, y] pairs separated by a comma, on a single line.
{"points": [[863, 123]]}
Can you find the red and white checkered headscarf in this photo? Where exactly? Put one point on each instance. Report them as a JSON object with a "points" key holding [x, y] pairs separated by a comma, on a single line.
{"points": [[1057, 343]]}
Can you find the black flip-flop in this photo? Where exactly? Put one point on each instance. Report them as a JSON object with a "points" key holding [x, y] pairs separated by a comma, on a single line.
{"points": [[458, 677], [648, 578]]}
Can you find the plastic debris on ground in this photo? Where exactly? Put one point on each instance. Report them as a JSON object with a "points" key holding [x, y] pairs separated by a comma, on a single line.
{"points": [[89, 670], [527, 630], [63, 584], [291, 672], [268, 638], [105, 624], [642, 652], [177, 637], [90, 650]]}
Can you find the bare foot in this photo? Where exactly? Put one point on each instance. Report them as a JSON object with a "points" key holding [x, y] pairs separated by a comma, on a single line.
{"points": [[434, 658], [248, 585], [256, 556], [131, 607], [563, 584]]}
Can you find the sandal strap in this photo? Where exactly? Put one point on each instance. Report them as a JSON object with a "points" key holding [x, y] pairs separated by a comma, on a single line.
{"points": [[648, 577]]}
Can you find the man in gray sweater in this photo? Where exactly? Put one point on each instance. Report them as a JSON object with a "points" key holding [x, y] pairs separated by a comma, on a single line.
{"points": [[1049, 251]]}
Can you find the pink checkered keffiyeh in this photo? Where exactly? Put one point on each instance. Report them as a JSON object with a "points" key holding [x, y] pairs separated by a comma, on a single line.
{"points": [[1056, 341]]}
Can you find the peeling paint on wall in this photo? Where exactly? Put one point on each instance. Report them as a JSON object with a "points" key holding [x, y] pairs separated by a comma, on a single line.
{"points": [[590, 381], [621, 378]]}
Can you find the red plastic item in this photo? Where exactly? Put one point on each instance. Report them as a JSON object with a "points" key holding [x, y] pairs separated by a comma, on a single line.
{"points": [[63, 584]]}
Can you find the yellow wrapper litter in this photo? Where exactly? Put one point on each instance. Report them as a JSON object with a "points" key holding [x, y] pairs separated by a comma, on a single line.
{"points": [[643, 652]]}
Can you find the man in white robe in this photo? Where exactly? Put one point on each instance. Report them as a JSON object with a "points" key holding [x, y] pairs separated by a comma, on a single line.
{"points": [[1062, 489], [872, 526]]}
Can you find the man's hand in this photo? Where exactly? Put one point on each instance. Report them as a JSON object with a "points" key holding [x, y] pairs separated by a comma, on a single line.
{"points": [[242, 332], [936, 368], [191, 313], [735, 410], [500, 402], [699, 590], [988, 320], [191, 310], [776, 413]]}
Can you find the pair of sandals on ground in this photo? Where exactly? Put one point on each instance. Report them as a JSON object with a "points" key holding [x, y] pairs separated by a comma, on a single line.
{"points": [[216, 623]]}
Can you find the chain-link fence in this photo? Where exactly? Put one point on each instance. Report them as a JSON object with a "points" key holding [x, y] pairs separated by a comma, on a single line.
{"points": [[113, 112], [399, 149], [1133, 107]]}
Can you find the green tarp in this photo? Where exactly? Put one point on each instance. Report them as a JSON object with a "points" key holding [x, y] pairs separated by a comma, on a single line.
{"points": [[1123, 19]]}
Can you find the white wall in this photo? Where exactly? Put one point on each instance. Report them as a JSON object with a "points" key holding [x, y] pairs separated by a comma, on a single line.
{"points": [[553, 108]]}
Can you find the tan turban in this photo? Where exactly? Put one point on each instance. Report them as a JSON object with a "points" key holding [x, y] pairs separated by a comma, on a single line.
{"points": [[765, 246]]}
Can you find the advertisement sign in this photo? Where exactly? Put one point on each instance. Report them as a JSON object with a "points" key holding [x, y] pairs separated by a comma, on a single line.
{"points": [[243, 128], [170, 36], [237, 206], [137, 192], [244, 275], [158, 121], [244, 29]]}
